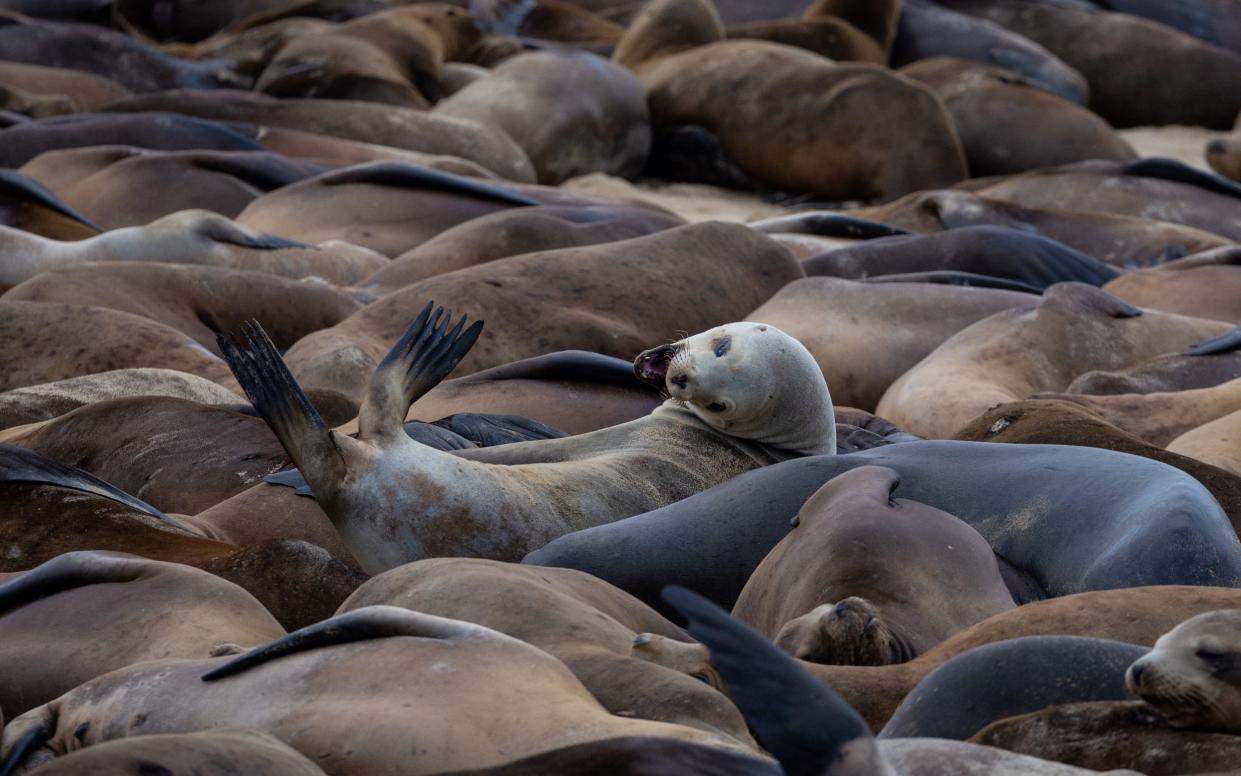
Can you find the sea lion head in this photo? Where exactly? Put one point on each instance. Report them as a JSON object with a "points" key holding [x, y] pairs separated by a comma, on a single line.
{"points": [[1224, 155], [1193, 675], [850, 633], [748, 380]]}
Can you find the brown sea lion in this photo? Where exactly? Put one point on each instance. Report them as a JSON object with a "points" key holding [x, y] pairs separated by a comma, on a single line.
{"points": [[48, 509], [592, 298], [1104, 736], [1217, 443], [27, 205], [573, 113], [41, 343], [1123, 241], [1206, 285], [586, 623], [993, 109], [189, 237], [828, 36], [514, 232], [1141, 73], [1156, 189], [693, 76], [363, 122], [304, 691], [338, 152], [1190, 676], [1062, 423], [864, 336], [1208, 363], [196, 301], [1224, 154], [125, 603], [36, 106], [86, 91], [866, 579], [124, 186], [209, 753], [35, 403], [370, 205], [1074, 328]]}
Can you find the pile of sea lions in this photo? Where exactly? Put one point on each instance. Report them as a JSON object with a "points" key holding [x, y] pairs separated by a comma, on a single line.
{"points": [[380, 392]]}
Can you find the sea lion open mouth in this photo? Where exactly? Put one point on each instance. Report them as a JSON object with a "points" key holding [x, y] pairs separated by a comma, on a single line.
{"points": [[651, 366]]}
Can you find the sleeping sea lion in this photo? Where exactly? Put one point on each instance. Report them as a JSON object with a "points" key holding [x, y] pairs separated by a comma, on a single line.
{"points": [[1190, 677]]}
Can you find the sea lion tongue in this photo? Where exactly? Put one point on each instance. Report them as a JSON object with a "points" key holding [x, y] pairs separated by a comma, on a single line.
{"points": [[651, 366]]}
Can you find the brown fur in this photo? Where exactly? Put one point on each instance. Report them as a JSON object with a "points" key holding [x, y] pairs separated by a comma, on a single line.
{"points": [[87, 92], [209, 753], [1207, 285], [832, 38], [1224, 155], [1217, 443]]}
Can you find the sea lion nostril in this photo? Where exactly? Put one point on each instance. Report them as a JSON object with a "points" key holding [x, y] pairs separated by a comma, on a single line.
{"points": [[679, 381]]}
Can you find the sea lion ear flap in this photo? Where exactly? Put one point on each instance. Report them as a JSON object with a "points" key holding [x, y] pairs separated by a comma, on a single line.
{"points": [[801, 721]]}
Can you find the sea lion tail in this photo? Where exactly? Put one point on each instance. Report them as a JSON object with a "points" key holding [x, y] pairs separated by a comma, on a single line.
{"points": [[798, 719], [274, 392], [421, 358]]}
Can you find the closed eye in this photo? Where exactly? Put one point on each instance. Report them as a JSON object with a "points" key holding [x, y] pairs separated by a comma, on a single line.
{"points": [[722, 346], [715, 406]]}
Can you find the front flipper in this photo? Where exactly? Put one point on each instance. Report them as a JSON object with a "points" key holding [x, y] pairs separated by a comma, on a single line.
{"points": [[427, 352]]}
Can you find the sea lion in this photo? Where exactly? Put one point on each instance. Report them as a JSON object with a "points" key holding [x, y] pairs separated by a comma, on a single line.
{"points": [[1105, 735], [1141, 73], [515, 232], [303, 689], [209, 753], [865, 336], [195, 300], [841, 30], [927, 30], [991, 361], [1213, 443], [1209, 20], [189, 237], [693, 76], [1204, 285], [123, 601], [1224, 154], [1122, 241], [993, 251], [809, 728], [593, 298], [587, 624], [553, 101], [733, 390], [36, 403], [294, 580], [27, 205], [1063, 423], [364, 122], [86, 91], [1156, 189], [824, 593], [125, 186], [369, 205], [1190, 676], [1207, 363], [633, 757], [993, 108], [1062, 519], [188, 21]]}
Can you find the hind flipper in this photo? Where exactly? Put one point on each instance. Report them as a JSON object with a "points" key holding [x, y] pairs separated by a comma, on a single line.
{"points": [[420, 359], [274, 392]]}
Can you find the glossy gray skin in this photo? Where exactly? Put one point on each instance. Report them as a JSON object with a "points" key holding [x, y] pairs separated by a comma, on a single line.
{"points": [[1061, 519], [1008, 678]]}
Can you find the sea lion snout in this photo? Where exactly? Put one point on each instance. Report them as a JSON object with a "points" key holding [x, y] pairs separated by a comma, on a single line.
{"points": [[651, 366]]}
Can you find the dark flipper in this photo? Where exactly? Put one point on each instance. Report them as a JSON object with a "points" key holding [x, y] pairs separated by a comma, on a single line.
{"points": [[365, 624], [1224, 343], [224, 231], [825, 223], [413, 176], [488, 430], [1179, 172], [274, 392], [797, 718], [956, 278], [419, 361], [65, 572], [34, 737], [18, 464], [24, 187]]}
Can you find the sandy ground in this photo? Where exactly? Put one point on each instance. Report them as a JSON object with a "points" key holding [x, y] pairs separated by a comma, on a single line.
{"points": [[697, 203]]}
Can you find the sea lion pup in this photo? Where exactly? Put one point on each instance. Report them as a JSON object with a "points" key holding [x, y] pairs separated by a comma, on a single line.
{"points": [[1193, 675], [742, 395], [189, 237]]}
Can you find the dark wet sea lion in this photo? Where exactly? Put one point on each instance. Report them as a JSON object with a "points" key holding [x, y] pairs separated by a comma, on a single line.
{"points": [[352, 120], [197, 301], [994, 108], [862, 579], [865, 336], [125, 186], [572, 113], [515, 232], [1080, 503], [124, 600]]}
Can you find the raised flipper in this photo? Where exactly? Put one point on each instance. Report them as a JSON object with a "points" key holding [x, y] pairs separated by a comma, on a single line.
{"points": [[278, 398], [1224, 343], [421, 358], [798, 719], [369, 622]]}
